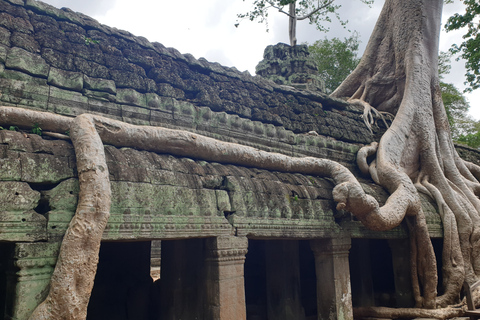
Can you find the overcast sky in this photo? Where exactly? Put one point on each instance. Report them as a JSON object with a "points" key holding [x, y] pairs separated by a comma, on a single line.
{"points": [[206, 29]]}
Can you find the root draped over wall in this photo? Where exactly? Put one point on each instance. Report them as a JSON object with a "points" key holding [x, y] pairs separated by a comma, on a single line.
{"points": [[74, 273], [397, 74]]}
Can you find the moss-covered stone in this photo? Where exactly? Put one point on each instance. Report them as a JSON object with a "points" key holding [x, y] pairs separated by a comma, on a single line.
{"points": [[131, 97], [17, 196], [20, 59], [65, 79], [28, 283], [67, 102], [97, 84]]}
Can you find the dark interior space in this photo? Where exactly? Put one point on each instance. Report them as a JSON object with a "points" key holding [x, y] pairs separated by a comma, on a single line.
{"points": [[255, 281], [6, 252], [308, 280], [122, 283], [438, 248], [372, 274], [280, 280], [181, 289]]}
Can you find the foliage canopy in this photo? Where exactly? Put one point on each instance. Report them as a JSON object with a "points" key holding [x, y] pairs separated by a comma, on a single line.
{"points": [[316, 11], [470, 47], [335, 59]]}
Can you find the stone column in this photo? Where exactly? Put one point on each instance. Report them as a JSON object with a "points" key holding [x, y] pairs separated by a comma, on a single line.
{"points": [[225, 287], [28, 275], [334, 298], [155, 259]]}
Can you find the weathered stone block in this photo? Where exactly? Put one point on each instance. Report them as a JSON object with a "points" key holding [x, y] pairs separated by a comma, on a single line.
{"points": [[17, 196], [24, 41], [104, 108], [5, 37], [64, 196], [67, 102], [99, 95], [131, 97], [10, 168], [223, 201], [97, 84], [44, 168], [27, 226], [3, 53], [25, 61], [65, 79], [136, 115], [17, 2]]}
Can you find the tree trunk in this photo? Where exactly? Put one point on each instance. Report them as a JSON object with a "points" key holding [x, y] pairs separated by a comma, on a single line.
{"points": [[292, 24], [398, 74], [72, 280]]}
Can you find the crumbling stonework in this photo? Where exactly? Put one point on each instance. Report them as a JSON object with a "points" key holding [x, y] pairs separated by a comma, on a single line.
{"points": [[290, 66], [213, 216]]}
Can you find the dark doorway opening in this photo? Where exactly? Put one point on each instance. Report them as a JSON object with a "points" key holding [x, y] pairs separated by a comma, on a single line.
{"points": [[280, 281], [6, 264], [122, 283], [380, 273], [181, 290]]}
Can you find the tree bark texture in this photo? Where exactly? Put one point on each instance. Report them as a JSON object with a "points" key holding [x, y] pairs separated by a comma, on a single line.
{"points": [[292, 24], [398, 74]]}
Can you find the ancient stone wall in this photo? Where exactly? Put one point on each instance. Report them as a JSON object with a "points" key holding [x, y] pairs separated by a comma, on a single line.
{"points": [[67, 63]]}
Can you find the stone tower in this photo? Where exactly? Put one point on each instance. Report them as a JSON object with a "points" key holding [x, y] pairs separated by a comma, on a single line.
{"points": [[292, 66]]}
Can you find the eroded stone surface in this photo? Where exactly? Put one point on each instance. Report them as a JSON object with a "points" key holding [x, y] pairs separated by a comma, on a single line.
{"points": [[40, 37]]}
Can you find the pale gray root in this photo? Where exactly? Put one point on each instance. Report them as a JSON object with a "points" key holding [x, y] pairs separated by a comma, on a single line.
{"points": [[362, 157], [369, 113], [398, 74], [347, 192], [72, 280], [406, 313]]}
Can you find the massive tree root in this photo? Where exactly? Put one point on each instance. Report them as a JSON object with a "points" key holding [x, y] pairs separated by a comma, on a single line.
{"points": [[72, 280], [398, 74]]}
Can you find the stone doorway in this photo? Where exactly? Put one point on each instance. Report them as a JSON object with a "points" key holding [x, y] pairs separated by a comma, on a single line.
{"points": [[380, 273], [6, 260], [280, 281], [122, 283]]}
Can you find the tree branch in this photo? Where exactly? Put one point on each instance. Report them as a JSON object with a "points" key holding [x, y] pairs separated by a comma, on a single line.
{"points": [[315, 11], [280, 9]]}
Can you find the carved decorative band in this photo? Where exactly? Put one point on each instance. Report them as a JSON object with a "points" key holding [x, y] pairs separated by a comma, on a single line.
{"points": [[227, 254]]}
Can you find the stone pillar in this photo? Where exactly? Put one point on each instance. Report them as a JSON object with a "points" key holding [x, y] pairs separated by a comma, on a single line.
{"points": [[225, 284], [28, 276], [402, 272], [155, 259], [284, 300], [334, 298]]}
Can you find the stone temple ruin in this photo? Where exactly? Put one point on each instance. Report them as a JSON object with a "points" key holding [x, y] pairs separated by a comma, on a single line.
{"points": [[223, 241]]}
